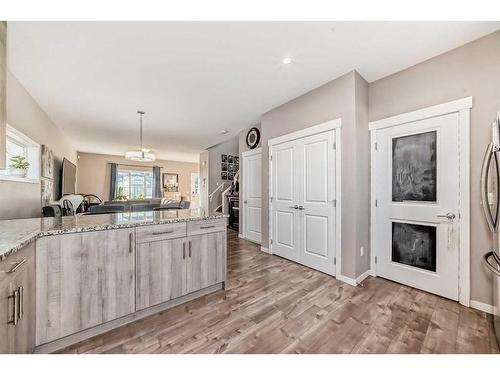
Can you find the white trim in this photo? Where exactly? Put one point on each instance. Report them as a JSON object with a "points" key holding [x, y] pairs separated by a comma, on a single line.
{"points": [[265, 250], [254, 151], [363, 276], [241, 236], [462, 107], [245, 155], [482, 306], [421, 114], [346, 280], [316, 129], [6, 177]]}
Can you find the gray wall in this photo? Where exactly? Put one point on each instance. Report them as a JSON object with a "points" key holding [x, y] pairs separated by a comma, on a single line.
{"points": [[242, 147], [230, 147], [21, 199], [470, 70], [336, 99]]}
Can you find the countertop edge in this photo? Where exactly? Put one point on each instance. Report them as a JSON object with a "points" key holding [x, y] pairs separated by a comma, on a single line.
{"points": [[35, 235]]}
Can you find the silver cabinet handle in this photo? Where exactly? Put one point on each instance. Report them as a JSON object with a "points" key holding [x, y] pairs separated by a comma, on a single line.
{"points": [[294, 207], [449, 216], [491, 267], [130, 241], [15, 314], [164, 232], [190, 249], [207, 227], [18, 264], [183, 250], [20, 310]]}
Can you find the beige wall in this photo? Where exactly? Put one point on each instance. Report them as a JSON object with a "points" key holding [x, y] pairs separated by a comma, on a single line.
{"points": [[19, 199], [94, 172], [336, 99], [470, 70]]}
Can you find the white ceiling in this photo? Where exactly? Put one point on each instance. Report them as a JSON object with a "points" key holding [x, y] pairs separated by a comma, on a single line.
{"points": [[194, 79]]}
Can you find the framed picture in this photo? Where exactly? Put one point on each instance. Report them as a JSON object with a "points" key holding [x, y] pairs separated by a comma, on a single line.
{"points": [[223, 175], [47, 167], [231, 167], [230, 175], [224, 158], [223, 166], [170, 181], [236, 160], [230, 159]]}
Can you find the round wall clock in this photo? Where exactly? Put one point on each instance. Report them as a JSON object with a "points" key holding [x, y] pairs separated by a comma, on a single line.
{"points": [[253, 138]]}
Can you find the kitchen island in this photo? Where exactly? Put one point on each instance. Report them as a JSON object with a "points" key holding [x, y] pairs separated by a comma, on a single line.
{"points": [[80, 276]]}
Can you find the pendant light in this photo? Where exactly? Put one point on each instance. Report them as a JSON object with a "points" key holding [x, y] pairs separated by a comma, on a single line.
{"points": [[143, 154]]}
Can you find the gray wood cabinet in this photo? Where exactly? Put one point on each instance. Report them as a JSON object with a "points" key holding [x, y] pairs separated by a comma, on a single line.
{"points": [[3, 91], [17, 302], [160, 271], [83, 280], [205, 261]]}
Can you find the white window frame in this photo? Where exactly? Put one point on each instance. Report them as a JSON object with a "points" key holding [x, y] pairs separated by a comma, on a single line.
{"points": [[32, 156], [130, 171]]}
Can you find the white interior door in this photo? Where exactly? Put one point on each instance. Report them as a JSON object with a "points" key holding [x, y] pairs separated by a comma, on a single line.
{"points": [[195, 190], [417, 182], [252, 196], [303, 204]]}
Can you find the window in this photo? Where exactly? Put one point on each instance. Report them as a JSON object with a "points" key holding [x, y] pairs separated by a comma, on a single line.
{"points": [[134, 184], [19, 145]]}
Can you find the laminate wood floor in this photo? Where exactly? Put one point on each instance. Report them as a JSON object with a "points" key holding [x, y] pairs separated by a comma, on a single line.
{"points": [[272, 305]]}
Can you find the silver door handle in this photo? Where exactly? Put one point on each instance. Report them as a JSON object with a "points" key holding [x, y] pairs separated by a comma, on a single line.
{"points": [[449, 216], [294, 207], [301, 208], [488, 156], [245, 202], [491, 267]]}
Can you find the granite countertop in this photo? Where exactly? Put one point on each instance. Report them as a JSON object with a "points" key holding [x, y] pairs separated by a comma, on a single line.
{"points": [[15, 234]]}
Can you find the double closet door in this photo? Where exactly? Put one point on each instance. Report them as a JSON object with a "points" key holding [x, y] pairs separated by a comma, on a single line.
{"points": [[303, 200]]}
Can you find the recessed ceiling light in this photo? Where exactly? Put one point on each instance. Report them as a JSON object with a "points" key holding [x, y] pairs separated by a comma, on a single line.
{"points": [[224, 131], [287, 60]]}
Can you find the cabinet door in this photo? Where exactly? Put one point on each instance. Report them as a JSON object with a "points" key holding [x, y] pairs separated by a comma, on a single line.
{"points": [[6, 314], [17, 275], [205, 260], [24, 283], [160, 272], [83, 280]]}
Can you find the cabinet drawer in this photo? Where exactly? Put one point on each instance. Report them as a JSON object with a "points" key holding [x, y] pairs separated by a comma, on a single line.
{"points": [[160, 232], [206, 226], [18, 259]]}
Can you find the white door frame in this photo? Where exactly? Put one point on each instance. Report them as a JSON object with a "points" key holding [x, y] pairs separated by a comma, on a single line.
{"points": [[316, 129], [462, 107], [244, 155]]}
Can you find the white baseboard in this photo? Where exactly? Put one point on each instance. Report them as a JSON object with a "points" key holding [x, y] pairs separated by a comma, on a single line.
{"points": [[347, 280], [265, 249], [363, 276], [481, 306], [356, 281], [241, 236]]}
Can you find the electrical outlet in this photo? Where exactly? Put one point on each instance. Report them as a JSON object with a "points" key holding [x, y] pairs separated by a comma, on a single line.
{"points": [[362, 251]]}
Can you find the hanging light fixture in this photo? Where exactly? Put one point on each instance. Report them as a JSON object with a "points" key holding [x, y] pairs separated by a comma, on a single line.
{"points": [[143, 154]]}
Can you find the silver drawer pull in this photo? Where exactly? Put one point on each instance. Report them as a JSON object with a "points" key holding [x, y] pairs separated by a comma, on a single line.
{"points": [[20, 310], [14, 296], [164, 232], [19, 264], [207, 227]]}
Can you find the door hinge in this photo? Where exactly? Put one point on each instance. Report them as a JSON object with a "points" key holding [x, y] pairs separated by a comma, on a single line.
{"points": [[376, 148], [375, 259], [335, 260], [334, 203], [271, 199], [376, 202], [270, 157], [271, 241], [334, 145]]}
